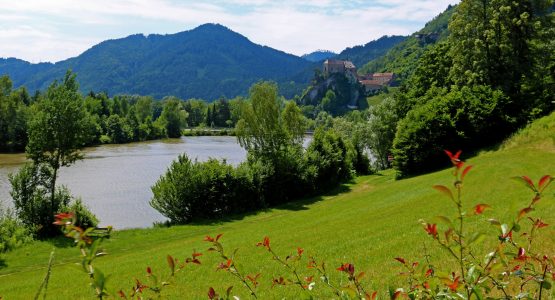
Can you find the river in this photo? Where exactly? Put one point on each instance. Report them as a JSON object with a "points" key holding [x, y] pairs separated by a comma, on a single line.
{"points": [[114, 180]]}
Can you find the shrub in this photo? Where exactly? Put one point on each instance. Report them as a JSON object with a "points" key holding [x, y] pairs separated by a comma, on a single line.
{"points": [[33, 203], [13, 233], [202, 190], [280, 178], [469, 116], [329, 159], [84, 217]]}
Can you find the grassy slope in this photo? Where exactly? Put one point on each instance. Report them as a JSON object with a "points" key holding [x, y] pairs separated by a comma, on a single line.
{"points": [[375, 221]]}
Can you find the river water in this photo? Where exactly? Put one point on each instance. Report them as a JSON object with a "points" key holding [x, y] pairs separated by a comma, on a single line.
{"points": [[114, 180]]}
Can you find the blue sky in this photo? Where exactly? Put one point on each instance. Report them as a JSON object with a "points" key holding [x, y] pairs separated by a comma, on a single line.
{"points": [[53, 30]]}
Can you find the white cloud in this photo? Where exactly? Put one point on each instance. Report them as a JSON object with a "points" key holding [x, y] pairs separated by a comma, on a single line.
{"points": [[39, 30]]}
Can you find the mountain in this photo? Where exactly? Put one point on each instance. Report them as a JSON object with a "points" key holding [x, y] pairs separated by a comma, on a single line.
{"points": [[402, 58], [319, 55], [207, 62], [360, 55]]}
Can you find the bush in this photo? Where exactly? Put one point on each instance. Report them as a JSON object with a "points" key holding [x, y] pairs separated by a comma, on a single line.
{"points": [[280, 178], [468, 116], [84, 217], [329, 159], [13, 233], [203, 190], [33, 203]]}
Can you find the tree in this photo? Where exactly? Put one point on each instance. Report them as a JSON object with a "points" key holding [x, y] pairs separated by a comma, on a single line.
{"points": [[501, 43], [57, 130], [262, 129], [173, 117], [382, 126]]}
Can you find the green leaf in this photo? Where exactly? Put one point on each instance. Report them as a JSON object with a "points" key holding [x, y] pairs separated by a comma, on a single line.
{"points": [[476, 237], [445, 220], [546, 284], [445, 190]]}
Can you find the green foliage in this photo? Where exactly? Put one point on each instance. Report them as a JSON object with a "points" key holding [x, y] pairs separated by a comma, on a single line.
{"points": [[503, 44], [209, 190], [58, 127], [469, 116], [402, 59], [14, 114], [262, 130], [34, 205], [329, 159], [13, 234], [84, 218], [382, 126], [173, 117]]}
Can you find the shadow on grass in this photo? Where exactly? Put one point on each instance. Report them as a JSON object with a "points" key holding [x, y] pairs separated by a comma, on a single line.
{"points": [[61, 242], [3, 263], [298, 205]]}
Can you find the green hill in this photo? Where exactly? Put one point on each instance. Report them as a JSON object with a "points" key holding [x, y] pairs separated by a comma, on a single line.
{"points": [[207, 62], [368, 222], [403, 57]]}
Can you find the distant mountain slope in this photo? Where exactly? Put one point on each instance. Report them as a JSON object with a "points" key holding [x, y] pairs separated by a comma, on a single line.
{"points": [[319, 55], [360, 55], [207, 62], [402, 58]]}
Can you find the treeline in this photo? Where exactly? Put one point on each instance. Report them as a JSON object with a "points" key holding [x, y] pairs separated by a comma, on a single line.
{"points": [[120, 119], [277, 170], [492, 75], [492, 72]]}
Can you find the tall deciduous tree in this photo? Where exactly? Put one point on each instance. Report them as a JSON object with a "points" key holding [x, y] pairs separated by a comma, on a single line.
{"points": [[58, 129], [173, 117], [499, 43], [263, 129]]}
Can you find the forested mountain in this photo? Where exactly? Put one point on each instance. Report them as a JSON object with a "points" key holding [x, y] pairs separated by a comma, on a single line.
{"points": [[403, 57], [319, 55], [207, 62], [360, 55]]}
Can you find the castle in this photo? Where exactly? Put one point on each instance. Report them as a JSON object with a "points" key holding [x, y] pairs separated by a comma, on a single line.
{"points": [[371, 82]]}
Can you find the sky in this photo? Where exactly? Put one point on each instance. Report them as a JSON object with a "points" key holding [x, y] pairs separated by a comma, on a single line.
{"points": [[54, 30]]}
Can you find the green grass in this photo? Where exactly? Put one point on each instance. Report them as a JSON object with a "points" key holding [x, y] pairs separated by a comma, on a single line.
{"points": [[373, 220]]}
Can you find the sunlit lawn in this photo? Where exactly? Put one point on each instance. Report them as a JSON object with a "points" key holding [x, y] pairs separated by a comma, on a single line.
{"points": [[372, 221]]}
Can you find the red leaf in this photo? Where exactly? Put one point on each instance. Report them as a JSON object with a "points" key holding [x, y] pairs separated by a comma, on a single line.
{"points": [[148, 270], [480, 208], [429, 272], [465, 171], [171, 263], [524, 211], [527, 181], [195, 254], [396, 295], [300, 251], [209, 239], [122, 294], [445, 191], [401, 260], [454, 285], [544, 182], [265, 243], [431, 229], [212, 294], [219, 236], [374, 294]]}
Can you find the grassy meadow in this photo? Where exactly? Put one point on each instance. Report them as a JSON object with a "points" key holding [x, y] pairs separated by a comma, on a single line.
{"points": [[367, 222]]}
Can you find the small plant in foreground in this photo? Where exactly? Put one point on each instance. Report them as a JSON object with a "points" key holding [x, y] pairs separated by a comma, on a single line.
{"points": [[88, 241], [249, 281], [513, 269]]}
